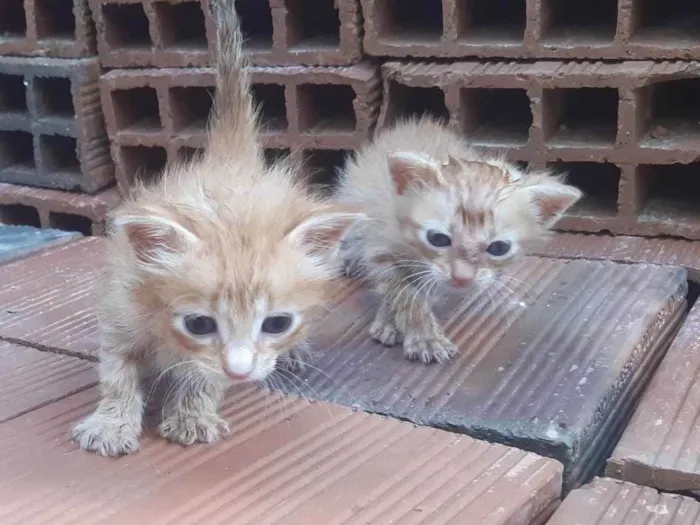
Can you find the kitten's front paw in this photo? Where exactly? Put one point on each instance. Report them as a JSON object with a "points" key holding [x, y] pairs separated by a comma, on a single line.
{"points": [[107, 436], [187, 429], [434, 348], [385, 332]]}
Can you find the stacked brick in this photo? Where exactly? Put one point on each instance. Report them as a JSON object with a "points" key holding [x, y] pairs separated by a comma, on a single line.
{"points": [[318, 99], [55, 168]]}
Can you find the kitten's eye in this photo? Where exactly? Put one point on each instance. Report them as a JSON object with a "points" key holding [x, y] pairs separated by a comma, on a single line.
{"points": [[200, 325], [276, 324], [437, 239], [498, 248]]}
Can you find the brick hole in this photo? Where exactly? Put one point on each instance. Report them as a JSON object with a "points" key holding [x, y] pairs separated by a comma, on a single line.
{"points": [[70, 222], [673, 111], [16, 150], [417, 21], [136, 109], [13, 94], [273, 106], [143, 163], [326, 108], [496, 116], [17, 214], [405, 101], [580, 23], [273, 155], [491, 21], [581, 116], [256, 23], [54, 97], [669, 192], [667, 22], [599, 182], [55, 19], [322, 167], [188, 154], [313, 24], [126, 26], [181, 25], [59, 154], [13, 22], [190, 107]]}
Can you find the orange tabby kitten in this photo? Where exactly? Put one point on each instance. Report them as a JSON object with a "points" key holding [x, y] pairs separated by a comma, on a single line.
{"points": [[438, 214], [214, 272]]}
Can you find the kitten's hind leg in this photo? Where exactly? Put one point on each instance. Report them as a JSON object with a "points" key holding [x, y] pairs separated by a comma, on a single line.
{"points": [[115, 427], [191, 409], [384, 329]]}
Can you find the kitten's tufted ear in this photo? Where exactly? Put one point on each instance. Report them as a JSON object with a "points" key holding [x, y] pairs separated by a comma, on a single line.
{"points": [[408, 168], [159, 241], [320, 233], [550, 199]]}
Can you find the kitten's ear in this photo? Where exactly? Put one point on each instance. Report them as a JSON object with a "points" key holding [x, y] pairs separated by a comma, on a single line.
{"points": [[159, 241], [407, 168], [320, 234], [550, 199]]}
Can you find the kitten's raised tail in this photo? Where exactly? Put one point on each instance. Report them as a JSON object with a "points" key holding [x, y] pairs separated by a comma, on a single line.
{"points": [[233, 127]]}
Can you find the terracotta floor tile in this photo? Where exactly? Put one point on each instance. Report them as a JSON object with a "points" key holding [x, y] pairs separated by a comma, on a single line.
{"points": [[289, 461], [610, 502], [30, 379], [669, 252], [661, 445], [555, 368], [20, 241], [47, 300]]}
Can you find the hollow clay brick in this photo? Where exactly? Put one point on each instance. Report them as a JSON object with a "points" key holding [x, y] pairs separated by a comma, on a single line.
{"points": [[660, 446], [47, 28], [32, 379], [177, 33], [603, 29], [288, 461], [21, 241], [554, 363], [155, 116], [29, 206], [607, 501], [621, 248], [52, 131], [626, 133]]}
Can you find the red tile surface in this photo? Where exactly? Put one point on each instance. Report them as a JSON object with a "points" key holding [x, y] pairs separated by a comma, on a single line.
{"points": [[30, 379], [661, 445], [669, 252], [289, 461], [610, 502], [47, 300]]}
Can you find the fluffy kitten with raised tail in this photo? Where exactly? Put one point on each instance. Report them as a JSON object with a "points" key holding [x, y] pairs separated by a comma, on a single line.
{"points": [[439, 214], [214, 273]]}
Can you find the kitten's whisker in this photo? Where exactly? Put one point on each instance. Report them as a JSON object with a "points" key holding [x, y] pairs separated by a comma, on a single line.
{"points": [[313, 391]]}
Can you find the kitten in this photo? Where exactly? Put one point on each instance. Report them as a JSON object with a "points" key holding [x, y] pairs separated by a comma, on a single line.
{"points": [[438, 215], [213, 273]]}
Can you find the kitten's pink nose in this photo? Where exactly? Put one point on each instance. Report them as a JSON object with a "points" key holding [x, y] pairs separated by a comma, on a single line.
{"points": [[461, 282]]}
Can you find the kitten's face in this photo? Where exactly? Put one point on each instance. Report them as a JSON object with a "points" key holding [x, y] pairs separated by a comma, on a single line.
{"points": [[467, 220], [232, 301]]}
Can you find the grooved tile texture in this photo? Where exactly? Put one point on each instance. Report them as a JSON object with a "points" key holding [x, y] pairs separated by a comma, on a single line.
{"points": [[554, 365], [610, 502], [668, 252], [48, 300], [661, 445], [633, 151], [20, 241], [30, 379], [289, 461]]}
